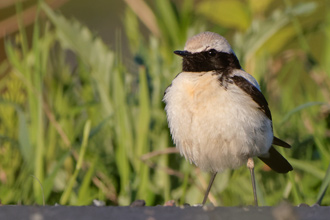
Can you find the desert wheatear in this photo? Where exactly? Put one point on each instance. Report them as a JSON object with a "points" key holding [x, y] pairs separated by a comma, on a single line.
{"points": [[217, 115]]}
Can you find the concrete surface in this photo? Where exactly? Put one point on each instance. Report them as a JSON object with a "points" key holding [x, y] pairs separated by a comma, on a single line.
{"points": [[285, 212]]}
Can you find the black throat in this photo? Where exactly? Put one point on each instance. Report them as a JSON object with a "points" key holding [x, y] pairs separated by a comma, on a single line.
{"points": [[210, 61]]}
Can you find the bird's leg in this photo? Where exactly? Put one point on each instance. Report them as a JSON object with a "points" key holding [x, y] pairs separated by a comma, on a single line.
{"points": [[250, 165], [209, 187]]}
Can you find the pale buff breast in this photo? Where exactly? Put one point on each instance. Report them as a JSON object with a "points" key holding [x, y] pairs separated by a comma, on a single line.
{"points": [[215, 128]]}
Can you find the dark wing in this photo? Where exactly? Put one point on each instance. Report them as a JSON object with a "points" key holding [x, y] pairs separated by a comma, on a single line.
{"points": [[273, 159], [279, 142], [254, 93], [276, 161]]}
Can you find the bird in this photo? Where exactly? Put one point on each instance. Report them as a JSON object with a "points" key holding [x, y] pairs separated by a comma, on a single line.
{"points": [[216, 113]]}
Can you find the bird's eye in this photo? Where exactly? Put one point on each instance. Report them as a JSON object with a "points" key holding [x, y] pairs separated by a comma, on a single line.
{"points": [[212, 52]]}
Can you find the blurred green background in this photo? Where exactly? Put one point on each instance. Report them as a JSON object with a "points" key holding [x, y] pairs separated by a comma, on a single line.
{"points": [[81, 87]]}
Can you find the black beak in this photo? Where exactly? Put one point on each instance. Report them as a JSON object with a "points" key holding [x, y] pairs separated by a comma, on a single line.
{"points": [[182, 53]]}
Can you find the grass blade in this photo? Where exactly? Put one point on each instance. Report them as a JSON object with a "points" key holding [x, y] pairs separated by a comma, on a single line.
{"points": [[67, 193], [324, 187], [299, 108]]}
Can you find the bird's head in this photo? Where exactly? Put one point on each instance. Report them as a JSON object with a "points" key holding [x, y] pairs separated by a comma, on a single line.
{"points": [[207, 51]]}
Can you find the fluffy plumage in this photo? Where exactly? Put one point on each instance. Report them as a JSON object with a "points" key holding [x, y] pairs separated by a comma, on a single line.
{"points": [[216, 112]]}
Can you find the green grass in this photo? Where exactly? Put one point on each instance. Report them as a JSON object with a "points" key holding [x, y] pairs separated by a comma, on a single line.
{"points": [[98, 130]]}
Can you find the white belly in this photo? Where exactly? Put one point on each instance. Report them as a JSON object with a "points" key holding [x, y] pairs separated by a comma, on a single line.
{"points": [[213, 127]]}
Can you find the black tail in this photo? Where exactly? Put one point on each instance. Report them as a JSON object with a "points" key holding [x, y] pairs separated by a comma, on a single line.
{"points": [[276, 161]]}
